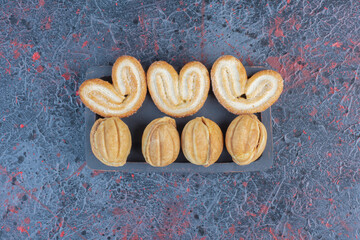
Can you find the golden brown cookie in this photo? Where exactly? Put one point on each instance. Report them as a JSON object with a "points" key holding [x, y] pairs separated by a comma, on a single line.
{"points": [[245, 139], [178, 95], [161, 142], [123, 97], [110, 141], [230, 84], [202, 141]]}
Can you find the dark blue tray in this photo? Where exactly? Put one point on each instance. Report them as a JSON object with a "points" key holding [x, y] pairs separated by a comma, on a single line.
{"points": [[148, 112]]}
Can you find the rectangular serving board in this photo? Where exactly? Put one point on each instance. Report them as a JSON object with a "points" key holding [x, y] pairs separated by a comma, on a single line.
{"points": [[148, 112]]}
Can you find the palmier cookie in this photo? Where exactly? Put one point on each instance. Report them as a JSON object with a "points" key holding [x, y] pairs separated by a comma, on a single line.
{"points": [[123, 97], [245, 139], [202, 141], [178, 95], [237, 93], [160, 142], [110, 141]]}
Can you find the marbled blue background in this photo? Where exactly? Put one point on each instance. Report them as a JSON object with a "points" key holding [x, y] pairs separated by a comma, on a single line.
{"points": [[311, 192]]}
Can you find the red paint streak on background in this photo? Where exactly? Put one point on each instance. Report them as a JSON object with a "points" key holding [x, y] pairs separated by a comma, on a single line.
{"points": [[27, 220], [21, 45], [84, 44], [142, 24], [278, 31], [248, 61], [48, 23], [292, 23], [175, 221], [141, 20], [41, 3], [35, 56], [156, 46], [76, 37], [347, 228], [127, 230], [313, 112], [227, 22], [40, 69], [263, 209], [3, 171], [7, 70], [325, 80], [23, 229], [118, 212], [96, 173], [289, 67], [275, 63], [238, 54], [232, 229], [77, 172], [272, 233], [337, 44], [250, 214], [16, 54], [12, 209], [66, 76]]}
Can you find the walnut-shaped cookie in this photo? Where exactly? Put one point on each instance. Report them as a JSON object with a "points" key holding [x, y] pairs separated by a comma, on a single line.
{"points": [[245, 139], [202, 141], [110, 141], [161, 142]]}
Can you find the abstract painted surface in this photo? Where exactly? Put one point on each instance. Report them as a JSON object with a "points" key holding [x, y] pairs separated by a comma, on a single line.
{"points": [[311, 192]]}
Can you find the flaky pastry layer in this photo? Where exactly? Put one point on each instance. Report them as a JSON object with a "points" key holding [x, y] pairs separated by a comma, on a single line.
{"points": [[123, 97], [178, 95], [230, 84]]}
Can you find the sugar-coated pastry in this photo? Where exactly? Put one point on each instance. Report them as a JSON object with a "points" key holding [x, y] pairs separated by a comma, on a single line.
{"points": [[230, 84], [160, 142], [245, 139], [123, 97], [178, 95], [110, 141], [202, 141]]}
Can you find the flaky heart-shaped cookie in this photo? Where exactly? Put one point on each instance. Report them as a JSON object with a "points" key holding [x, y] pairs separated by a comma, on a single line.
{"points": [[237, 93], [123, 97], [178, 95], [160, 143], [110, 141], [245, 139], [202, 141]]}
